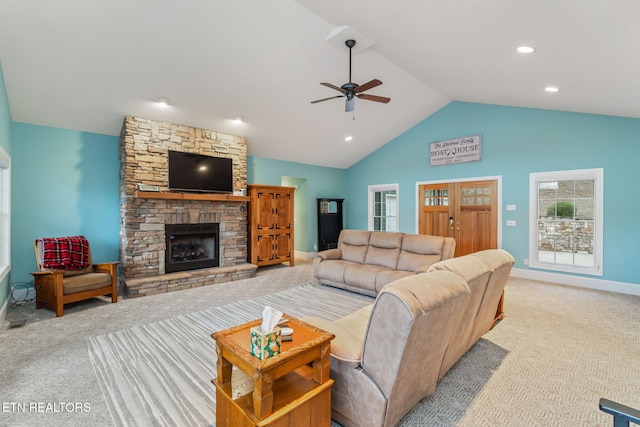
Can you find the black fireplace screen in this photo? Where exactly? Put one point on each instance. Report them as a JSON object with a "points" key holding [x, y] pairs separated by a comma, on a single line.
{"points": [[191, 246]]}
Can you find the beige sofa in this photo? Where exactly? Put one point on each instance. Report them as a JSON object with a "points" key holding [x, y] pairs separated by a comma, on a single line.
{"points": [[365, 261], [388, 356]]}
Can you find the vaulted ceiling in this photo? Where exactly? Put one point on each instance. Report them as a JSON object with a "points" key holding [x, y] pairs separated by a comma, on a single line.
{"points": [[84, 65]]}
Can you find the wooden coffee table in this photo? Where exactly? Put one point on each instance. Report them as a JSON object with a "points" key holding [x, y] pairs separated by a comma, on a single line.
{"points": [[292, 388]]}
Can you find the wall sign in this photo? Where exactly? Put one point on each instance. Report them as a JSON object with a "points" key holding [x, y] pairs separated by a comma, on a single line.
{"points": [[461, 150]]}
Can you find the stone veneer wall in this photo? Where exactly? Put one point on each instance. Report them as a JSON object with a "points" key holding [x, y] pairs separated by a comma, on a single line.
{"points": [[143, 158]]}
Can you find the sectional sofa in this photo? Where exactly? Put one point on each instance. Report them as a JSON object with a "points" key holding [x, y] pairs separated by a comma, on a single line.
{"points": [[391, 354]]}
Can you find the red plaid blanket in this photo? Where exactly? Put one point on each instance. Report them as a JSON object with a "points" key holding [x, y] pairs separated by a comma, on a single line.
{"points": [[65, 253]]}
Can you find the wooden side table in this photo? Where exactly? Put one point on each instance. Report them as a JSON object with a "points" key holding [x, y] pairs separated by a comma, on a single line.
{"points": [[292, 388]]}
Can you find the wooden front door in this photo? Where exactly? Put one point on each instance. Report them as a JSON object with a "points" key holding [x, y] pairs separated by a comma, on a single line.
{"points": [[467, 211]]}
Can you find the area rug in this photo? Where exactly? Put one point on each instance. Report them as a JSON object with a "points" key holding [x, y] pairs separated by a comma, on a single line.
{"points": [[160, 373]]}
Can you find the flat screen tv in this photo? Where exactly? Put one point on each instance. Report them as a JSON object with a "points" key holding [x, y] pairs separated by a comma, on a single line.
{"points": [[200, 173]]}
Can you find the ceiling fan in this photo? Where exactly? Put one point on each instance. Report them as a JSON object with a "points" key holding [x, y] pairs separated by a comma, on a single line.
{"points": [[352, 90]]}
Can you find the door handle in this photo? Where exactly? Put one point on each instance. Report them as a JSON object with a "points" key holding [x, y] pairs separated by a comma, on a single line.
{"points": [[450, 223]]}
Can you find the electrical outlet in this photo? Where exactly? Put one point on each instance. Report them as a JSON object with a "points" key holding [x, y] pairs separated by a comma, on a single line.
{"points": [[511, 223], [511, 207], [526, 261], [315, 247]]}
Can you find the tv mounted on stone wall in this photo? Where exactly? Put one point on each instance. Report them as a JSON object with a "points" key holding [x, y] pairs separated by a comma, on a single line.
{"points": [[199, 173]]}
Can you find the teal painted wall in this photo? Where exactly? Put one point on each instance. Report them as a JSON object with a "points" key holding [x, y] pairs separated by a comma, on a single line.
{"points": [[5, 142], [64, 183], [516, 142], [320, 182]]}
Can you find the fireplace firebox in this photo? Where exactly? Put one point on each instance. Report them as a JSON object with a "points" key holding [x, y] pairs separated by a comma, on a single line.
{"points": [[191, 246]]}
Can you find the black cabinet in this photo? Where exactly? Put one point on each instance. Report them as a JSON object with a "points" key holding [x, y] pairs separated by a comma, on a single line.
{"points": [[329, 223]]}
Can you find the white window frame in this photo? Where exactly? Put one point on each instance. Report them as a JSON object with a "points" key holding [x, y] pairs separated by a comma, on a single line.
{"points": [[379, 188], [597, 175], [5, 213]]}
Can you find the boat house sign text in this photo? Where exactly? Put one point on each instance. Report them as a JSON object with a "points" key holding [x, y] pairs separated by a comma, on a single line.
{"points": [[461, 150]]}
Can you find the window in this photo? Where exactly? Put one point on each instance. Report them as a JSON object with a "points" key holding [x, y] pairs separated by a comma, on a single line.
{"points": [[383, 207], [565, 221], [5, 213]]}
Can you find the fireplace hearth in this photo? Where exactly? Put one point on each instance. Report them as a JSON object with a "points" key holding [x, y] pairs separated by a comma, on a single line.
{"points": [[192, 246]]}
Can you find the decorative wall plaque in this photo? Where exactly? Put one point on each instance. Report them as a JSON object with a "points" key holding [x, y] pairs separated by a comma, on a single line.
{"points": [[461, 150]]}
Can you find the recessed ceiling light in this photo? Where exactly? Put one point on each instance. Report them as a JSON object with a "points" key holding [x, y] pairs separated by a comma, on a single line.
{"points": [[551, 89], [526, 49], [348, 138], [238, 119], [163, 101]]}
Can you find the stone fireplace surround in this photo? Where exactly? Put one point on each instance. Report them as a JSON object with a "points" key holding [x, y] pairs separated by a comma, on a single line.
{"points": [[144, 145]]}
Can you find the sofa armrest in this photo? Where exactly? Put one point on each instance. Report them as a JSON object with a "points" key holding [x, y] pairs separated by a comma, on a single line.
{"points": [[349, 334], [47, 273], [345, 346], [330, 254], [449, 248], [48, 285], [106, 267]]}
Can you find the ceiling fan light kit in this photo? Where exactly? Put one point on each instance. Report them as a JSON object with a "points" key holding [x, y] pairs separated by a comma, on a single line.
{"points": [[352, 90]]}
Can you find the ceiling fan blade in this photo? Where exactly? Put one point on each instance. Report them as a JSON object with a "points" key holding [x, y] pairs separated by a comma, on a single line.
{"points": [[349, 105], [326, 99], [383, 99], [367, 86], [339, 89]]}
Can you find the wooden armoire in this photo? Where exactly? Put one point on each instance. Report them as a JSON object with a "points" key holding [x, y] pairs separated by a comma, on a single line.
{"points": [[270, 225]]}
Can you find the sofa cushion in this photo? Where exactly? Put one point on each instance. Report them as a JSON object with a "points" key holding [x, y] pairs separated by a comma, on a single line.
{"points": [[495, 258], [467, 267], [362, 276], [384, 249], [86, 282], [386, 276], [354, 244], [419, 251], [333, 270]]}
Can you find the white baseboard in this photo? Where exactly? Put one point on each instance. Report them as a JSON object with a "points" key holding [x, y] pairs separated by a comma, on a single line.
{"points": [[3, 311], [307, 255], [545, 276], [579, 281]]}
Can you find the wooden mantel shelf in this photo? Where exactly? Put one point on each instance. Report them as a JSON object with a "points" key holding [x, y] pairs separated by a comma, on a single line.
{"points": [[191, 196]]}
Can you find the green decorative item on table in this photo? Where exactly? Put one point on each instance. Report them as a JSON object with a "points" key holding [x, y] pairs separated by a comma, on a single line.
{"points": [[265, 344]]}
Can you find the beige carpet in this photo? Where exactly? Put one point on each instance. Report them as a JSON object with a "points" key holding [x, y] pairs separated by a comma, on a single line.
{"points": [[558, 350], [160, 373]]}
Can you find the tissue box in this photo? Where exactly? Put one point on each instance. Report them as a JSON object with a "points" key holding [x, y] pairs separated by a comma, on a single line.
{"points": [[265, 344]]}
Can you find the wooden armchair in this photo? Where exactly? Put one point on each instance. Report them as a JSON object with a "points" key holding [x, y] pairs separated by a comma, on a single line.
{"points": [[56, 287]]}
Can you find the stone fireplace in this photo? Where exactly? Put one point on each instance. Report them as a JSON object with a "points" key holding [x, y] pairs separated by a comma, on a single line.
{"points": [[148, 218]]}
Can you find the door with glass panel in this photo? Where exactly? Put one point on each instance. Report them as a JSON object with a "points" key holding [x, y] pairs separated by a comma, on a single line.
{"points": [[435, 212], [466, 211], [383, 207]]}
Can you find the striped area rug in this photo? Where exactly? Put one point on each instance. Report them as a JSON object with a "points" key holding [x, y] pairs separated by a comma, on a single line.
{"points": [[160, 374]]}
